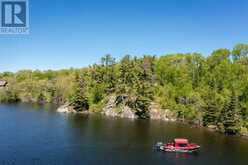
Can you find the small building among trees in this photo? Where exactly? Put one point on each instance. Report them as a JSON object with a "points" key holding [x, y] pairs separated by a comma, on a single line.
{"points": [[3, 83]]}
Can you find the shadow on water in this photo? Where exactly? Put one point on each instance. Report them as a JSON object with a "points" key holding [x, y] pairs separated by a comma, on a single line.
{"points": [[34, 134]]}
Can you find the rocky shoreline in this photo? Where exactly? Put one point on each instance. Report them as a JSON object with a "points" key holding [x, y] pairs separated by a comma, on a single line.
{"points": [[124, 111], [155, 113]]}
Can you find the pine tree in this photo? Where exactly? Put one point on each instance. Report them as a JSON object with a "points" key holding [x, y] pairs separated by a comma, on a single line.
{"points": [[145, 89], [211, 113], [230, 120], [108, 70], [141, 107], [210, 109], [126, 76], [41, 98], [79, 101]]}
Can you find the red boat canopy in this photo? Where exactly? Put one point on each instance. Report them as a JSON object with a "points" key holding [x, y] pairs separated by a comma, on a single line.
{"points": [[181, 141]]}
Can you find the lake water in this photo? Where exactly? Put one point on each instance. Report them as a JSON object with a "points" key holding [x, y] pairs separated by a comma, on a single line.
{"points": [[37, 135]]}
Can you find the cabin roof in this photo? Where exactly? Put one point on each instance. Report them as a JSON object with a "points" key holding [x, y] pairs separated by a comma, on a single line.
{"points": [[181, 140], [3, 83]]}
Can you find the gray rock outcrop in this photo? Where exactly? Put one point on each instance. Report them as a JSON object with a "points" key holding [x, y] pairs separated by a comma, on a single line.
{"points": [[66, 109]]}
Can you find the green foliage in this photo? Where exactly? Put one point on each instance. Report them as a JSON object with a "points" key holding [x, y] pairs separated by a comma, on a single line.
{"points": [[230, 119], [240, 52], [8, 96], [190, 85], [97, 94], [211, 111], [79, 100], [140, 105]]}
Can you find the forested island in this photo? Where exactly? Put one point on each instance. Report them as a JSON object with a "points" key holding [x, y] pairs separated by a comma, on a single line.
{"points": [[209, 90]]}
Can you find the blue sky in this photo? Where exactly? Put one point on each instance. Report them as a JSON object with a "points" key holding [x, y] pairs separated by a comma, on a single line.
{"points": [[77, 33]]}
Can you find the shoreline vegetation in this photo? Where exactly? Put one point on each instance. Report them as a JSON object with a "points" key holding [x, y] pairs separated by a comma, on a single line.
{"points": [[208, 91]]}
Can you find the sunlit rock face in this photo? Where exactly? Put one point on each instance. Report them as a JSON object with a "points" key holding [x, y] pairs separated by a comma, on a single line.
{"points": [[111, 109], [128, 113], [3, 84], [108, 110], [66, 109], [157, 113], [115, 109]]}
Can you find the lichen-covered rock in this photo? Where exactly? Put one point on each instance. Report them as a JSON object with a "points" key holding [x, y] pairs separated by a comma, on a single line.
{"points": [[108, 110], [157, 113], [66, 109], [124, 111], [112, 110], [212, 127], [115, 108], [127, 113]]}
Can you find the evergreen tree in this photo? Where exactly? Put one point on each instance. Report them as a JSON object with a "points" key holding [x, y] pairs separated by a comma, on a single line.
{"points": [[127, 76], [144, 86], [141, 106], [230, 120], [211, 113], [177, 82], [41, 98], [210, 109], [108, 72], [79, 100]]}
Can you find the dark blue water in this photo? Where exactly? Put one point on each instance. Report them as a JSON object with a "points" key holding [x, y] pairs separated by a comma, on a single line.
{"points": [[38, 135]]}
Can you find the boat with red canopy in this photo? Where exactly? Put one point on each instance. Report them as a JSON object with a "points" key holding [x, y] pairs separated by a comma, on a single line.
{"points": [[178, 145]]}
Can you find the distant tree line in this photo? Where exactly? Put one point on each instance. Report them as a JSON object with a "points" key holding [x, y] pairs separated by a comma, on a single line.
{"points": [[212, 89]]}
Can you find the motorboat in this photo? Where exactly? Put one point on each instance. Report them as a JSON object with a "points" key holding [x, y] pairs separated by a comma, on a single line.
{"points": [[178, 145]]}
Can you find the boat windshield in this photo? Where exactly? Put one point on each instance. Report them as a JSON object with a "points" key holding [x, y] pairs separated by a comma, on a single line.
{"points": [[182, 145]]}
